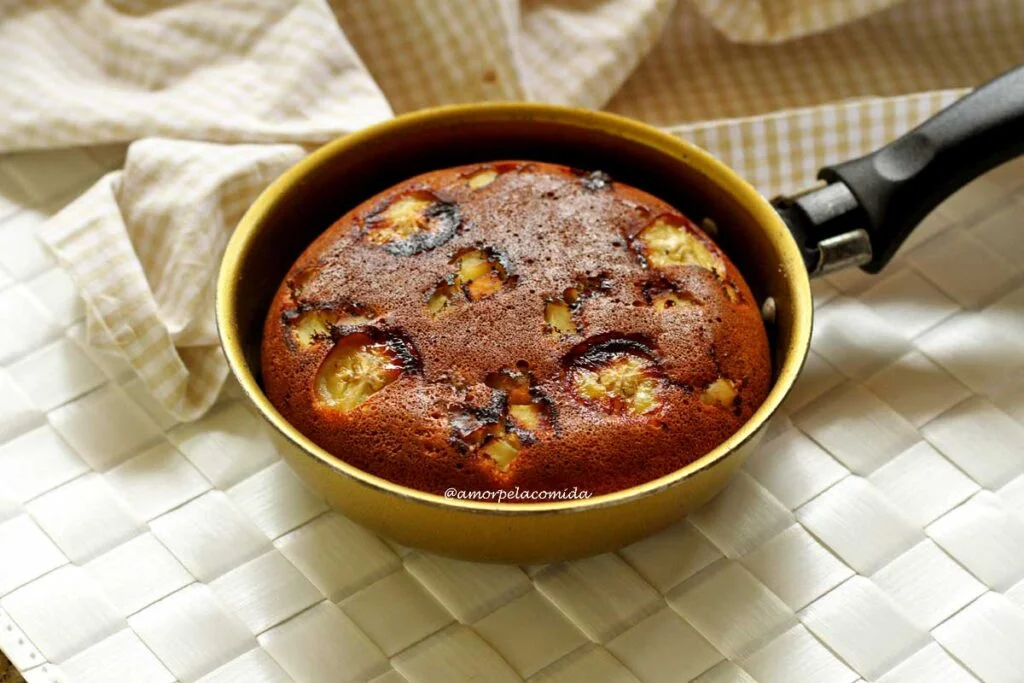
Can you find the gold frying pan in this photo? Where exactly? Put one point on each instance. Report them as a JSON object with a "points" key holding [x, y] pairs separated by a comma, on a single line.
{"points": [[859, 216]]}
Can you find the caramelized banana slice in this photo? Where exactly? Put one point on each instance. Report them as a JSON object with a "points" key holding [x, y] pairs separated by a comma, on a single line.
{"points": [[357, 368], [621, 385], [528, 416], [503, 449], [473, 265], [415, 222], [732, 291], [482, 178], [312, 325], [721, 392], [498, 430], [441, 297], [524, 405], [666, 242], [488, 436], [481, 272], [669, 300], [400, 220], [558, 316], [514, 383], [663, 294], [619, 377]]}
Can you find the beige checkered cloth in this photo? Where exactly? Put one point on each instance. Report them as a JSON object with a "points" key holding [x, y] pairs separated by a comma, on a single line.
{"points": [[218, 97]]}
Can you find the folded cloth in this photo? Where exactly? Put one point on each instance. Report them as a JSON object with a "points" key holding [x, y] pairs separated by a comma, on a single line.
{"points": [[145, 260], [218, 97]]}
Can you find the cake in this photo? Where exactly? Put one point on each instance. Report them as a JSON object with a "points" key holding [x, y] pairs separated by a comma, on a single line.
{"points": [[515, 324]]}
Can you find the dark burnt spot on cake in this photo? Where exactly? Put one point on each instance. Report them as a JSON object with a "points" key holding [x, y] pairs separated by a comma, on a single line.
{"points": [[468, 425], [412, 223], [601, 346], [400, 345]]}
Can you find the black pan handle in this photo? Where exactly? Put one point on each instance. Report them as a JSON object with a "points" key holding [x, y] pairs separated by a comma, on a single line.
{"points": [[870, 205]]}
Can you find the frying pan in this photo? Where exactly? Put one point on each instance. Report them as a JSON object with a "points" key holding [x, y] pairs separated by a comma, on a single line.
{"points": [[858, 215]]}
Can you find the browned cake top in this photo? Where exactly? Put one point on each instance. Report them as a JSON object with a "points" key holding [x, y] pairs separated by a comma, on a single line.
{"points": [[515, 324]]}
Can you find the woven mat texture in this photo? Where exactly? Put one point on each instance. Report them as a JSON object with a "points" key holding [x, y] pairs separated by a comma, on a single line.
{"points": [[877, 534]]}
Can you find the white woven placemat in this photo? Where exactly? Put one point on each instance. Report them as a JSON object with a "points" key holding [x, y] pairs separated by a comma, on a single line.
{"points": [[878, 534]]}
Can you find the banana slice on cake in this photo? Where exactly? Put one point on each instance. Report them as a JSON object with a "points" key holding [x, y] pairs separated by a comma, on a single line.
{"points": [[666, 243], [560, 313], [415, 222], [503, 449], [722, 392], [355, 369], [315, 324], [482, 178], [619, 378], [480, 272], [525, 409]]}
